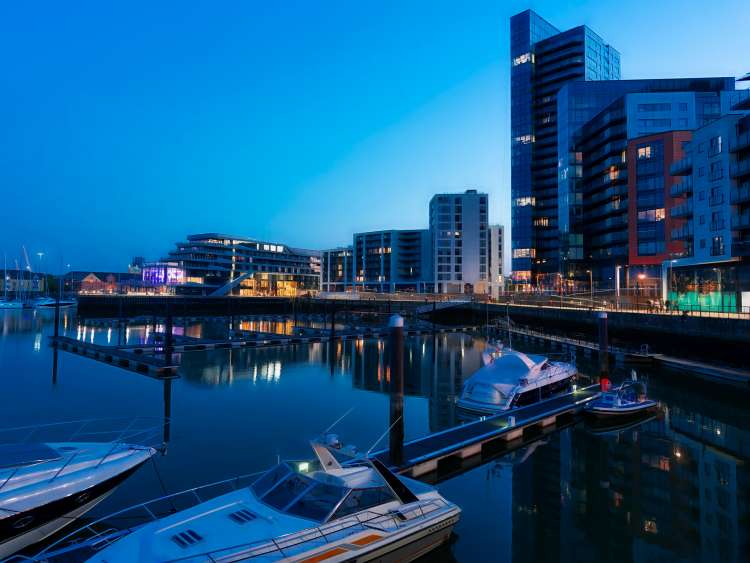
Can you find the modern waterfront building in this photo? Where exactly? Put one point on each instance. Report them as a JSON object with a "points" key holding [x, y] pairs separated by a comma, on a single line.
{"points": [[495, 260], [219, 264], [460, 242], [161, 277], [336, 269], [601, 144], [392, 260], [655, 206], [713, 181], [543, 59]]}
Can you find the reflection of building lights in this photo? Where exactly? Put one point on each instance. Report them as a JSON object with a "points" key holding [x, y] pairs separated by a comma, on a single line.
{"points": [[109, 335], [718, 431], [37, 342], [677, 453]]}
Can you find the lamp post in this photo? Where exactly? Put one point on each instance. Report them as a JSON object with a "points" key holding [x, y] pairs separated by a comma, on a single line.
{"points": [[641, 277], [671, 272], [591, 286]]}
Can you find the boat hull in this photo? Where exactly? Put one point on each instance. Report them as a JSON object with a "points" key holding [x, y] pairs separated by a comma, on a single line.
{"points": [[400, 549], [609, 413], [34, 525]]}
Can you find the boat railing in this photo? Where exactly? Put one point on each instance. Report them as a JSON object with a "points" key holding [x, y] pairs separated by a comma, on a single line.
{"points": [[139, 431], [365, 520], [103, 531]]}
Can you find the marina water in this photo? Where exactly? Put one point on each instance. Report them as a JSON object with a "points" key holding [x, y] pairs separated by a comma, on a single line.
{"points": [[676, 488]]}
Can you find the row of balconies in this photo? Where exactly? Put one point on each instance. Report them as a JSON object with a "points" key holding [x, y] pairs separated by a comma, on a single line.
{"points": [[681, 167], [683, 210], [741, 222], [682, 188], [740, 169], [739, 143], [683, 233], [740, 194]]}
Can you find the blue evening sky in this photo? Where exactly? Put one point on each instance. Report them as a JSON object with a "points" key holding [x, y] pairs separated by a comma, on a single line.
{"points": [[126, 125]]}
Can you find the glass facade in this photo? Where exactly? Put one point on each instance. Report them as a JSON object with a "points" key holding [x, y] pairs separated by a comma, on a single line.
{"points": [[542, 61]]}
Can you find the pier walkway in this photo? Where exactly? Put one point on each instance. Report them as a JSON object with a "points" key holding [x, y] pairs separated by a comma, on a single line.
{"points": [[487, 435]]}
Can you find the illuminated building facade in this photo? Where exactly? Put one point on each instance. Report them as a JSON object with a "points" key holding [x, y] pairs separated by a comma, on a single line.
{"points": [[336, 267], [392, 260], [543, 59], [218, 264], [460, 242]]}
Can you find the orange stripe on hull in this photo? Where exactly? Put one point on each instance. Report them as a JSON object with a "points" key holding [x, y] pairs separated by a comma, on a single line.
{"points": [[367, 539], [325, 555]]}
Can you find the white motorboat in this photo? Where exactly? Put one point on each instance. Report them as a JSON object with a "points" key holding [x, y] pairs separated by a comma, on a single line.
{"points": [[626, 402], [45, 484], [296, 511], [513, 379]]}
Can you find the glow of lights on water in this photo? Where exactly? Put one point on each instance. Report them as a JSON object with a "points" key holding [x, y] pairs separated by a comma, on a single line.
{"points": [[37, 342], [127, 335], [92, 336], [678, 454], [109, 335]]}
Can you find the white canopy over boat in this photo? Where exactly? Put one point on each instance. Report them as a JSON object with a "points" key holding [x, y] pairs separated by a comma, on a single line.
{"points": [[500, 381]]}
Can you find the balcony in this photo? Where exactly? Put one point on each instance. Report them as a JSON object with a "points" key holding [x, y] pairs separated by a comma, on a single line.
{"points": [[684, 210], [718, 225], [740, 247], [740, 100], [716, 199], [681, 167], [740, 194], [740, 169], [683, 188], [741, 222], [741, 142], [683, 233]]}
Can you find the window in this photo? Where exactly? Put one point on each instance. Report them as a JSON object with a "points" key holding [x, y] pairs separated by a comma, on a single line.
{"points": [[714, 146], [701, 195], [683, 106], [703, 243], [524, 252], [716, 171], [654, 107], [702, 219], [524, 201], [701, 171], [524, 58], [644, 152]]}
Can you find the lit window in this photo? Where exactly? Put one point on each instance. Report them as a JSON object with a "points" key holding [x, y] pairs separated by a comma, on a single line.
{"points": [[541, 222], [524, 252], [524, 139], [644, 152], [522, 59], [524, 201]]}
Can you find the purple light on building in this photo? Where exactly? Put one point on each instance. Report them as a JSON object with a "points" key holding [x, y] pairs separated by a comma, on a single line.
{"points": [[162, 273]]}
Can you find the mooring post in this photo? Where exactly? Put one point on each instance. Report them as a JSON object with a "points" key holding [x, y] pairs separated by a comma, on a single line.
{"points": [[168, 336], [396, 345], [167, 430], [603, 344]]}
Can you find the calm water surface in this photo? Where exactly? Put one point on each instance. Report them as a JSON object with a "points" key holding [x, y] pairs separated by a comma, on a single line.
{"points": [[673, 489]]}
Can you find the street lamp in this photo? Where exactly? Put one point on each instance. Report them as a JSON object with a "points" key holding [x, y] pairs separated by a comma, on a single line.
{"points": [[641, 277], [591, 286]]}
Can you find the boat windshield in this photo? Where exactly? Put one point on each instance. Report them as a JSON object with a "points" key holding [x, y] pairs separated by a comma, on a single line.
{"points": [[300, 495]]}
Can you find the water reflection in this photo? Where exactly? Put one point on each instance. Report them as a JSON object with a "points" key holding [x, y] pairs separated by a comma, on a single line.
{"points": [[674, 488]]}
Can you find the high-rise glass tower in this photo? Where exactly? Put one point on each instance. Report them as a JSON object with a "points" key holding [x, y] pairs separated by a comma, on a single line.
{"points": [[543, 59]]}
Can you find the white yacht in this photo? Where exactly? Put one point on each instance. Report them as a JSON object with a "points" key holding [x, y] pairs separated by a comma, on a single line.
{"points": [[45, 486], [514, 379], [297, 511]]}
